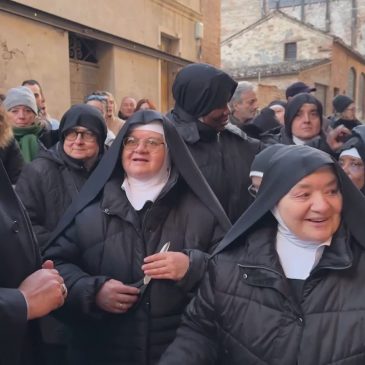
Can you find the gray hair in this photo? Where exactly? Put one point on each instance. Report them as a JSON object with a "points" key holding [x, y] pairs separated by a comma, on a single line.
{"points": [[242, 88]]}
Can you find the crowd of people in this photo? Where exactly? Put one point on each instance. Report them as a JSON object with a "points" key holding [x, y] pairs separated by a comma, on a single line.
{"points": [[214, 234]]}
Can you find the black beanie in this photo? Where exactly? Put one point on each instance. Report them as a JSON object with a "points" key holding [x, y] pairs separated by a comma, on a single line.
{"points": [[341, 102], [295, 104]]}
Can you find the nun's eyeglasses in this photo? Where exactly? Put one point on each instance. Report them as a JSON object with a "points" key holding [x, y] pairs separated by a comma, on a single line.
{"points": [[252, 190], [87, 136], [150, 144]]}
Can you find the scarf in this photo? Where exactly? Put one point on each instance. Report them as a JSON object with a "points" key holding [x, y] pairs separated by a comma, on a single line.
{"points": [[27, 138]]}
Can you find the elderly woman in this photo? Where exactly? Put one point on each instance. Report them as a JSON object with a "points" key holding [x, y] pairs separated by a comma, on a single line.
{"points": [[147, 191], [30, 133], [49, 184], [352, 157], [286, 284]]}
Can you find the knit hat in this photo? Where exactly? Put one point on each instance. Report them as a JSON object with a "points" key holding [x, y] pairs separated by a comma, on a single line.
{"points": [[341, 102], [298, 88], [20, 96]]}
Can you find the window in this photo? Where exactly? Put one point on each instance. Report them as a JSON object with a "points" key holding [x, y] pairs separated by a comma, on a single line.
{"points": [[362, 95], [290, 51], [82, 49], [351, 88]]}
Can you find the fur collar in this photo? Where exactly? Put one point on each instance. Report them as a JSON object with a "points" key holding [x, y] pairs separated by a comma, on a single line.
{"points": [[6, 132]]}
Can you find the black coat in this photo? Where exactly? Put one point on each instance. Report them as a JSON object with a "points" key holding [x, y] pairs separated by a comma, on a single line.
{"points": [[248, 313], [47, 186], [19, 258], [12, 160], [224, 159], [101, 237]]}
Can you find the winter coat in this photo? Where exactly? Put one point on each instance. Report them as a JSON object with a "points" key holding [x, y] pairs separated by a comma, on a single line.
{"points": [[19, 258], [108, 240], [224, 159], [102, 237], [248, 308], [10, 154], [47, 186]]}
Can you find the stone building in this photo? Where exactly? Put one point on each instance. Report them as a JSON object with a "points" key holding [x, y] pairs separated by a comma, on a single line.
{"points": [[278, 50], [129, 47], [342, 18]]}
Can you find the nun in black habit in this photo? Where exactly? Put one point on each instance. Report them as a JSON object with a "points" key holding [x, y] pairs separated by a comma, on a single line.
{"points": [[222, 151], [352, 157], [145, 192], [303, 124], [285, 286]]}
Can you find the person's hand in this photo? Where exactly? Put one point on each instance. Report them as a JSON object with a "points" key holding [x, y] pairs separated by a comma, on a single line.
{"points": [[337, 136], [115, 297], [44, 291], [166, 265]]}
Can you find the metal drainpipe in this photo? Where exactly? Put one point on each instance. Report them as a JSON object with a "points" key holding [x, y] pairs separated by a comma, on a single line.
{"points": [[328, 16]]}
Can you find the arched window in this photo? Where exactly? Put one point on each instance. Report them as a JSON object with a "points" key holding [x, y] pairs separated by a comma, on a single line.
{"points": [[362, 96], [351, 88]]}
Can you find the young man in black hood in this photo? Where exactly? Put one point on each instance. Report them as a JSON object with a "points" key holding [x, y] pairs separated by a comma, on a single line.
{"points": [[223, 153]]}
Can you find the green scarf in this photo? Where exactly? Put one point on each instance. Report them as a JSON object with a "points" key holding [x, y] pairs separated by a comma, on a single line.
{"points": [[27, 138]]}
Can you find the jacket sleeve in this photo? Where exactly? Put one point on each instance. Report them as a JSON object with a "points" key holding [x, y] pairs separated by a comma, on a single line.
{"points": [[30, 189], [14, 161], [82, 287], [196, 340], [13, 319], [198, 261]]}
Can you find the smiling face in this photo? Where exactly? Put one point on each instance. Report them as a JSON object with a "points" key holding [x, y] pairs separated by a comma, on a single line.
{"points": [[217, 118], [306, 123], [141, 163], [312, 208], [80, 148]]}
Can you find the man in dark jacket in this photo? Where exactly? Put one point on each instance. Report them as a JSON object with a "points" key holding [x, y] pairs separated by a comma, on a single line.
{"points": [[26, 291], [222, 152]]}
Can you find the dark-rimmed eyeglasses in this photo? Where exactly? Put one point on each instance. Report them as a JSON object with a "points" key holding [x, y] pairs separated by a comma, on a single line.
{"points": [[87, 136], [150, 144]]}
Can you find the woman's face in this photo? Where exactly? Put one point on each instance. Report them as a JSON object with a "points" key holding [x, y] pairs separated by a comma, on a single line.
{"points": [[307, 123], [312, 208], [81, 144], [354, 168], [142, 160], [21, 116]]}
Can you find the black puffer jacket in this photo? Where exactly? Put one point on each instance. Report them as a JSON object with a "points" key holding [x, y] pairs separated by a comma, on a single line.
{"points": [[224, 159], [247, 282], [46, 187], [108, 240]]}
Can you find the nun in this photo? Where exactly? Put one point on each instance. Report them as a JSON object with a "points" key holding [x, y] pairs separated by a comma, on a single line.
{"points": [[352, 157], [285, 286], [146, 196], [303, 125]]}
